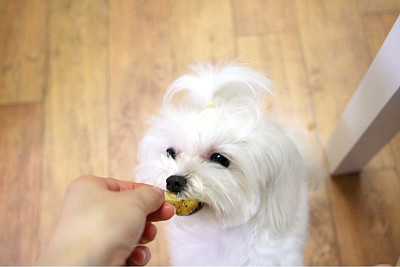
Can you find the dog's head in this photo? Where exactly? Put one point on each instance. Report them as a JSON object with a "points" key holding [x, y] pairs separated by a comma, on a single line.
{"points": [[218, 147]]}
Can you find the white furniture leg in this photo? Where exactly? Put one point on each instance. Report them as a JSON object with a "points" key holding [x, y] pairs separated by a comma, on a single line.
{"points": [[372, 116]]}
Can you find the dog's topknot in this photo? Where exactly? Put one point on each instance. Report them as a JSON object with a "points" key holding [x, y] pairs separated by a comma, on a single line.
{"points": [[210, 84]]}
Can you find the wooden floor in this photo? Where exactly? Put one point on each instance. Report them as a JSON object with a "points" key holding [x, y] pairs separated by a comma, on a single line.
{"points": [[77, 77]]}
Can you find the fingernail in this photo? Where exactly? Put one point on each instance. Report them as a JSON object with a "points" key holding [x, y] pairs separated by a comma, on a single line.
{"points": [[172, 207], [147, 256], [143, 256], [139, 257]]}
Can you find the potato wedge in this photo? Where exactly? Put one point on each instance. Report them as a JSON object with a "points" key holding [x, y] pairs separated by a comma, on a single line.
{"points": [[182, 206]]}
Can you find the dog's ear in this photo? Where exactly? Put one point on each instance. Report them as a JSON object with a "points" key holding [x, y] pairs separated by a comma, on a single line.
{"points": [[286, 197], [211, 85], [280, 212]]}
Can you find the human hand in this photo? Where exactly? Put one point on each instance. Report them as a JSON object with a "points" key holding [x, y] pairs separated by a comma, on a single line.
{"points": [[104, 221]]}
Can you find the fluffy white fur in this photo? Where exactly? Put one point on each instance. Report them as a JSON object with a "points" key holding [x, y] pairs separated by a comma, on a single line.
{"points": [[255, 211]]}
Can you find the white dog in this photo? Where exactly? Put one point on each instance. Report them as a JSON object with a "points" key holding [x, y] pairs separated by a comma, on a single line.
{"points": [[219, 147]]}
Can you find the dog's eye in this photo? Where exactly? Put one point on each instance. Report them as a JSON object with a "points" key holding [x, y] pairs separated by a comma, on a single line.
{"points": [[218, 158], [171, 153]]}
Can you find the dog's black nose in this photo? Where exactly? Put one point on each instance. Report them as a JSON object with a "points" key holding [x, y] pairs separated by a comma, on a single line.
{"points": [[176, 183]]}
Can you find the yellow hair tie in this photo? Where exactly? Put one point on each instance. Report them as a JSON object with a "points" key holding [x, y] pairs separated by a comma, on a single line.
{"points": [[210, 106]]}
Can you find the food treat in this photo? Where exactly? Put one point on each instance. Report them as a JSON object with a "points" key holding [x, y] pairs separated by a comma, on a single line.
{"points": [[182, 206]]}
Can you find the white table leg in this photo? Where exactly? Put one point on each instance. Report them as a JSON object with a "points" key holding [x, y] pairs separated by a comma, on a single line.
{"points": [[372, 116]]}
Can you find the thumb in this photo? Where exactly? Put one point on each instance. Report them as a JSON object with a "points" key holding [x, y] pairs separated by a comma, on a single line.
{"points": [[147, 198]]}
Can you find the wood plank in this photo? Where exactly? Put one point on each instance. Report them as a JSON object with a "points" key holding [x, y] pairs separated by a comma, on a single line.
{"points": [[322, 247], [141, 70], [20, 182], [395, 149], [336, 55], [367, 215], [377, 28], [76, 121], [141, 67], [23, 31], [263, 16], [379, 6], [332, 81], [280, 54], [203, 31]]}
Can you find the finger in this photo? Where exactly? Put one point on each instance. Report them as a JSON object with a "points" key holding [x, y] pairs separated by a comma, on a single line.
{"points": [[140, 256], [118, 185], [166, 212], [149, 233], [109, 183], [147, 198]]}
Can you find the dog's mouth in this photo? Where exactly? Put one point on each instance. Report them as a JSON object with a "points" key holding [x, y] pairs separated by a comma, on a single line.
{"points": [[199, 206]]}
